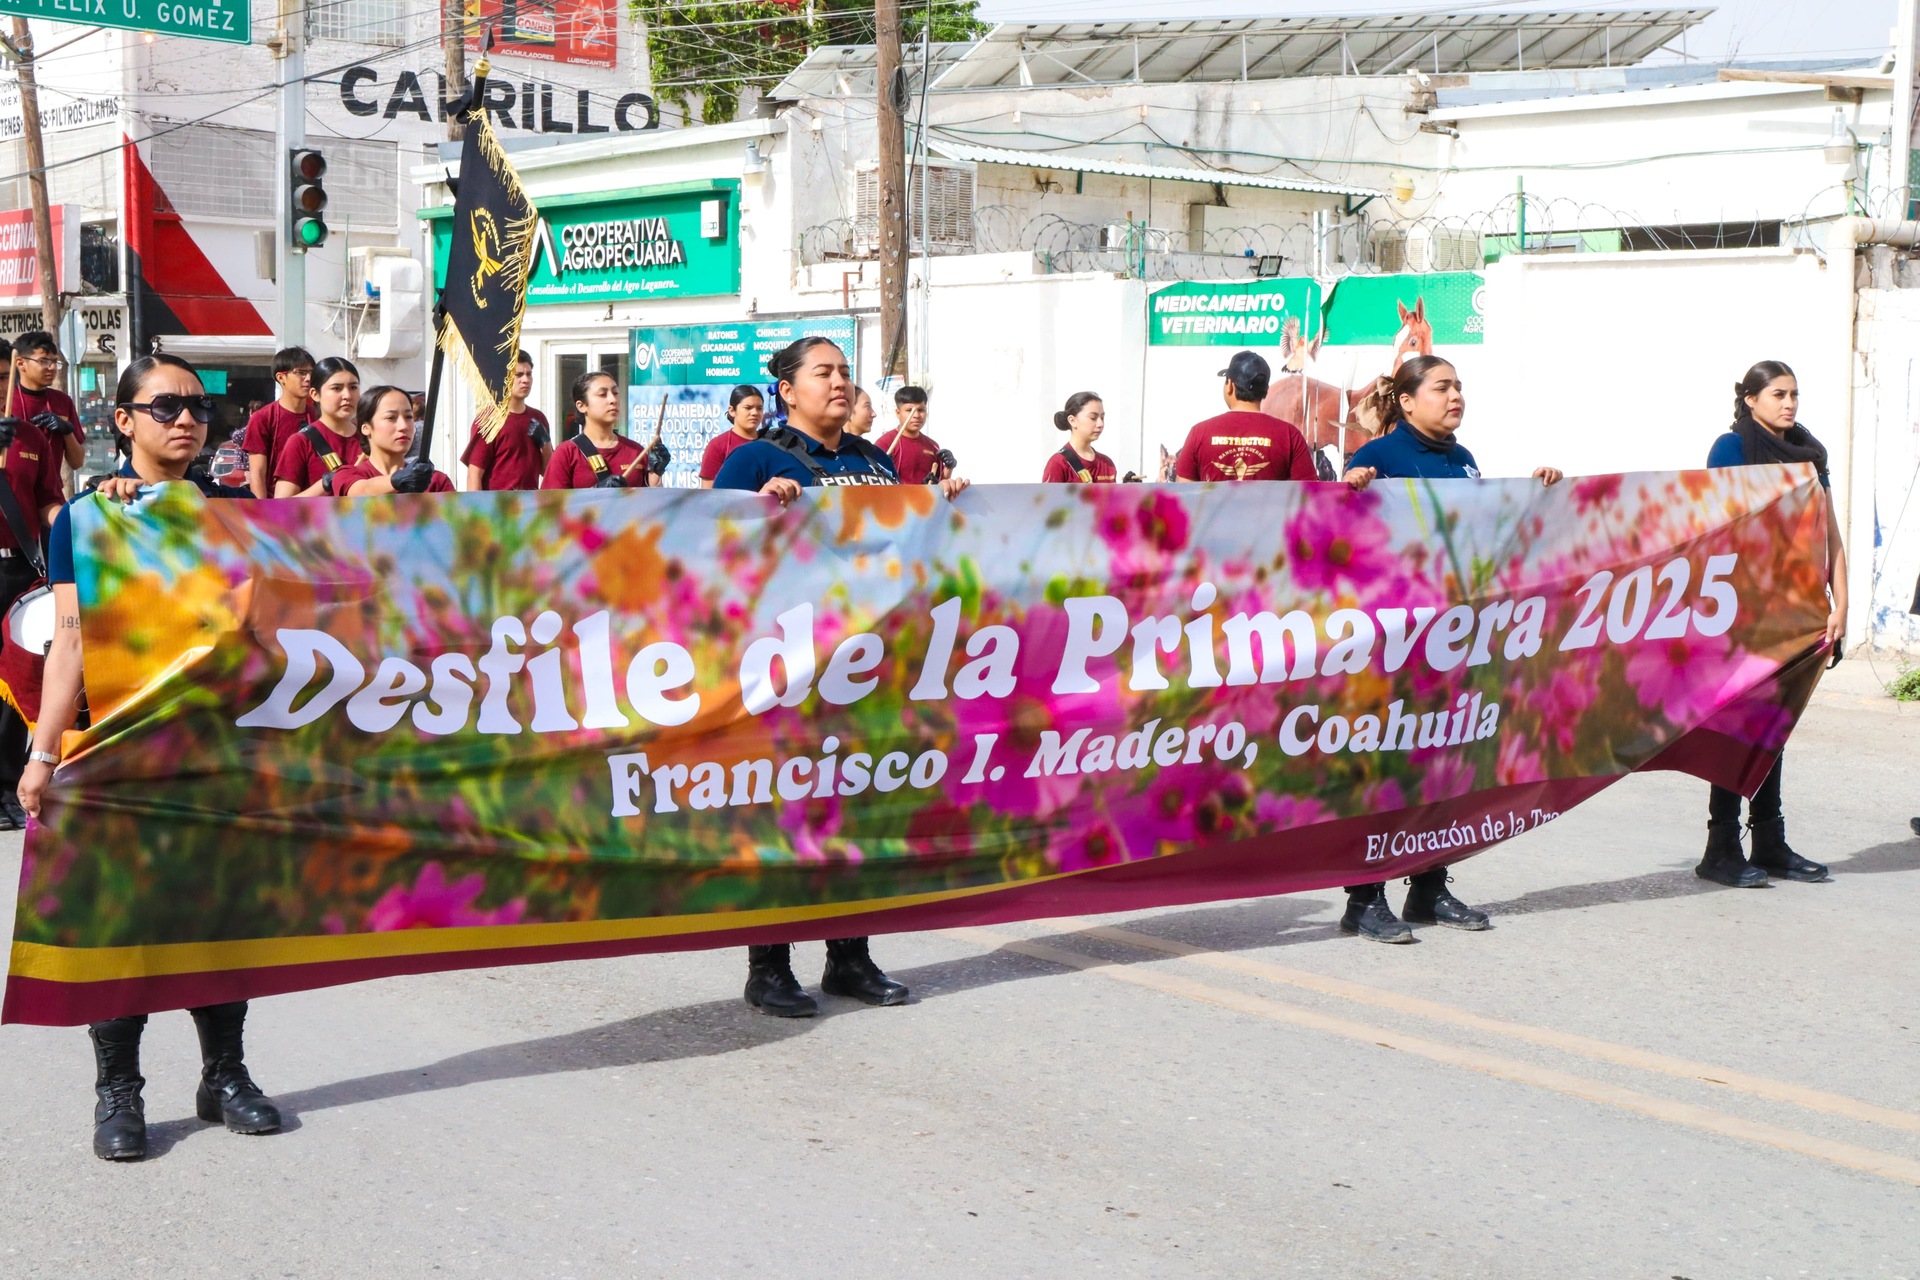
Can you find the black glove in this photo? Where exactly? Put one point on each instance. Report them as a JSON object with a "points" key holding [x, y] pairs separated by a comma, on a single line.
{"points": [[1133, 477], [413, 477], [609, 481], [946, 459], [9, 427], [52, 423], [658, 458]]}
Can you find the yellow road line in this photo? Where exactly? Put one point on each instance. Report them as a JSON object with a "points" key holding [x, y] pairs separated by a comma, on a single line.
{"points": [[1584, 1046], [1705, 1119]]}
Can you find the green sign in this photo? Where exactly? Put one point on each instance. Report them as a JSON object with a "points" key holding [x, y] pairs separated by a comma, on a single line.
{"points": [[679, 241], [1207, 314], [230, 21], [1364, 311]]}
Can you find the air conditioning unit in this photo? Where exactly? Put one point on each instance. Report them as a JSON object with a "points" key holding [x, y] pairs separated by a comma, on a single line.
{"points": [[363, 285], [1423, 248], [947, 223]]}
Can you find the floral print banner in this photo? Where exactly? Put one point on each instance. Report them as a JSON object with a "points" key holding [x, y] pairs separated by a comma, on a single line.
{"points": [[340, 740]]}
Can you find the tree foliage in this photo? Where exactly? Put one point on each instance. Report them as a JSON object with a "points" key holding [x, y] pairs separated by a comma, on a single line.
{"points": [[703, 55]]}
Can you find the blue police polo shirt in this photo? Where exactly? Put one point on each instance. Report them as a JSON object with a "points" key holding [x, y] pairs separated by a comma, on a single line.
{"points": [[1404, 453], [754, 463]]}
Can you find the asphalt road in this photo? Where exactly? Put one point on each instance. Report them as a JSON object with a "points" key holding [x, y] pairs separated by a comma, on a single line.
{"points": [[1634, 1074]]}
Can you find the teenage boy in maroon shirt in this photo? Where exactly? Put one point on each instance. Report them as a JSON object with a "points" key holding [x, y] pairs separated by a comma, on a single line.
{"points": [[1244, 443], [517, 455], [915, 454], [37, 364], [273, 424]]}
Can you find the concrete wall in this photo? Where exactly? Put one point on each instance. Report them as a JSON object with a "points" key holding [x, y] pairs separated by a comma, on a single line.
{"points": [[1886, 555]]}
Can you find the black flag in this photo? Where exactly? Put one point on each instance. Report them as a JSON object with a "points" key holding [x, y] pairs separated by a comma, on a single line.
{"points": [[485, 292]]}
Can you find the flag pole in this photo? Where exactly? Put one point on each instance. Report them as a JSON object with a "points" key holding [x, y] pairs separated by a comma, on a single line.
{"points": [[423, 442]]}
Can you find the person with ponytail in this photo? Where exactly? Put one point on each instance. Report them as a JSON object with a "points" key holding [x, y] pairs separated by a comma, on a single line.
{"points": [[1078, 462], [745, 409], [1766, 429], [1421, 416], [599, 457], [813, 449], [386, 424], [162, 410]]}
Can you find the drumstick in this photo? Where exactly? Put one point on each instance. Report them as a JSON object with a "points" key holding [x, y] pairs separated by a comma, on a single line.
{"points": [[657, 424], [13, 371]]}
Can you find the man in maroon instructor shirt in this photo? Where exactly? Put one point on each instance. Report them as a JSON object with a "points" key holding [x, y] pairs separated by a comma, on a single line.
{"points": [[517, 455], [1244, 443], [37, 365]]}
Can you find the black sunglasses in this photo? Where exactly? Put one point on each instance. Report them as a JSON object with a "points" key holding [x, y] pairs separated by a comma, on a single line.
{"points": [[165, 407]]}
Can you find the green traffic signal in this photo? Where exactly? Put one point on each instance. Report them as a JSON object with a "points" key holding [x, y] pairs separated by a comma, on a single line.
{"points": [[308, 198]]}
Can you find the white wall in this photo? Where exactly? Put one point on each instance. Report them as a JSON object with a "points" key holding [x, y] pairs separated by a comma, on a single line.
{"points": [[1619, 362], [1886, 553]]}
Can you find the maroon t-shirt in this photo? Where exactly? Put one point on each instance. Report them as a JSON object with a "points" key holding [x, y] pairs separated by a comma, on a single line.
{"points": [[511, 460], [302, 467], [28, 405], [1060, 471], [348, 476], [569, 468], [269, 427], [1245, 445], [33, 473], [717, 450], [914, 457]]}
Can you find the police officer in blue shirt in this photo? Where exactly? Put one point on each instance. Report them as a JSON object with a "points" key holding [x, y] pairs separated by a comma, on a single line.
{"points": [[162, 410], [1423, 411], [813, 448]]}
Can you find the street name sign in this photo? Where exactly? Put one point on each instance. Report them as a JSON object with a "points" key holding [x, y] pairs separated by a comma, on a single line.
{"points": [[230, 21]]}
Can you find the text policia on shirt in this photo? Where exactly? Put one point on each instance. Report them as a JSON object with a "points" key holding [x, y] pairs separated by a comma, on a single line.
{"points": [[662, 683]]}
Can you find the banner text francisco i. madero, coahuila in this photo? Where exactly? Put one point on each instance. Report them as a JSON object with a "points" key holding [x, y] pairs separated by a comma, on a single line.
{"points": [[340, 740]]}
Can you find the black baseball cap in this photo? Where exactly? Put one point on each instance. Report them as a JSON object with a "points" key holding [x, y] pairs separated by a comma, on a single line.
{"points": [[1247, 368]]}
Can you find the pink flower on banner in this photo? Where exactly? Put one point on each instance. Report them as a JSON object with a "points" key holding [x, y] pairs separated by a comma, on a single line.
{"points": [[1689, 678], [1337, 538], [1518, 761], [432, 903], [1275, 813], [1596, 491], [1381, 796], [1185, 804], [810, 824], [1446, 775], [1075, 848], [1141, 533], [1560, 703]]}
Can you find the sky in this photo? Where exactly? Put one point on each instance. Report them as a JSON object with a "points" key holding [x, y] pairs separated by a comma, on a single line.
{"points": [[1738, 28]]}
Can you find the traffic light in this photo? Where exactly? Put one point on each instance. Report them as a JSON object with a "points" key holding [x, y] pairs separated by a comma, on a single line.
{"points": [[309, 202]]}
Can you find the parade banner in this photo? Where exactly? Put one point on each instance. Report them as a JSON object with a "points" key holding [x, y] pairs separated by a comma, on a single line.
{"points": [[334, 741]]}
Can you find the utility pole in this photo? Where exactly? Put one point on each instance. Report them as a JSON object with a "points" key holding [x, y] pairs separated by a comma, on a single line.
{"points": [[892, 183], [289, 45], [43, 247], [453, 40]]}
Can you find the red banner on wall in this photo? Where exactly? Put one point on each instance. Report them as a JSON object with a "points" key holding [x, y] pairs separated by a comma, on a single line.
{"points": [[19, 263], [582, 32]]}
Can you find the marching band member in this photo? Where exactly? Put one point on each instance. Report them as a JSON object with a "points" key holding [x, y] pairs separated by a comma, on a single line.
{"points": [[37, 364], [161, 407], [813, 449], [599, 457], [1243, 443], [1423, 412], [31, 462], [746, 407], [385, 418], [1766, 406], [916, 456], [270, 427], [517, 455], [1078, 462], [316, 450]]}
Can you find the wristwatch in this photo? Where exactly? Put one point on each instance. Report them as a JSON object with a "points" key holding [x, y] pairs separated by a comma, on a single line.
{"points": [[43, 757]]}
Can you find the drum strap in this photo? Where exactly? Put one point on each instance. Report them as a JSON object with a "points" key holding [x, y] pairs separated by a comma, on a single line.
{"points": [[17, 525], [322, 448]]}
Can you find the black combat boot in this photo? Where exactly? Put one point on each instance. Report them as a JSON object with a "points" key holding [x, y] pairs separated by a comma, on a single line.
{"points": [[1724, 863], [851, 971], [227, 1094], [1369, 915], [1428, 902], [119, 1117], [1773, 855], [771, 986]]}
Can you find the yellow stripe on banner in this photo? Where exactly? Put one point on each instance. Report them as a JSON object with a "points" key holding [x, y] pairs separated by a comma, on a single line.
{"points": [[104, 964]]}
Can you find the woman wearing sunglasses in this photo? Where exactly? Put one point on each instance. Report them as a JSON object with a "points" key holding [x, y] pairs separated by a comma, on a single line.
{"points": [[385, 417], [313, 453], [162, 410]]}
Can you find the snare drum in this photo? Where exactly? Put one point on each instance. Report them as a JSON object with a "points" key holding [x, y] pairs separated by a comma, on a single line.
{"points": [[29, 623], [25, 636]]}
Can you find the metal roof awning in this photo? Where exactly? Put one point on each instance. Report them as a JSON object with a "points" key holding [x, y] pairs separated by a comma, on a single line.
{"points": [[1072, 163], [1221, 49], [848, 70]]}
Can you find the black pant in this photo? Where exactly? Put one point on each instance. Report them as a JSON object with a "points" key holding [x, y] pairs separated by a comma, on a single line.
{"points": [[1434, 878], [1724, 805], [16, 575]]}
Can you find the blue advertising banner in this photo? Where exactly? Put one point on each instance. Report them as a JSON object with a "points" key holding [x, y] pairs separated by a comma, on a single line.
{"points": [[692, 369]]}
